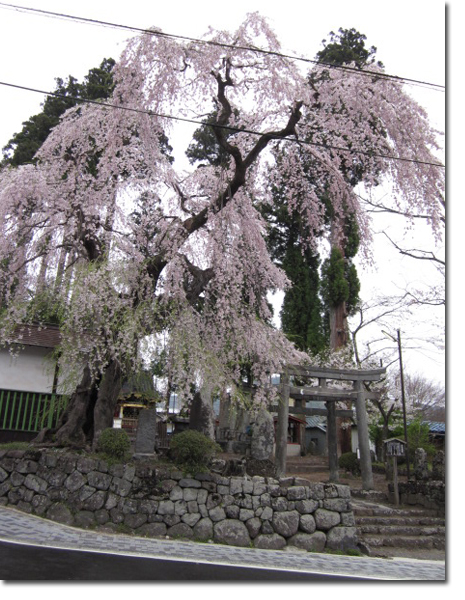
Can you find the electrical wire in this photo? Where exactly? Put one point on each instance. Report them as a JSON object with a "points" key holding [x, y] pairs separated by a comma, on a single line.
{"points": [[217, 126], [84, 20]]}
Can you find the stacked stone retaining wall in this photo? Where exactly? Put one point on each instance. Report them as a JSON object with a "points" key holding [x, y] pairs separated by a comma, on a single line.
{"points": [[429, 494], [149, 500]]}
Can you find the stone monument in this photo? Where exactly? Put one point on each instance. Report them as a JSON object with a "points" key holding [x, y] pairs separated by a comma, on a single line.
{"points": [[262, 436], [146, 432]]}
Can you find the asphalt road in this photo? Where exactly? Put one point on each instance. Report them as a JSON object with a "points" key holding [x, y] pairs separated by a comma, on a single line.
{"points": [[35, 549], [19, 562]]}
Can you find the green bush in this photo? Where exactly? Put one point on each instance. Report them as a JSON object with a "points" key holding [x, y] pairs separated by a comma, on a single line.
{"points": [[349, 462], [114, 442], [192, 450]]}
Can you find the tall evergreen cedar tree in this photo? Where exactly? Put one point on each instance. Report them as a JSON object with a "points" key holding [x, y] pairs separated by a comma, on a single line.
{"points": [[130, 247], [97, 85]]}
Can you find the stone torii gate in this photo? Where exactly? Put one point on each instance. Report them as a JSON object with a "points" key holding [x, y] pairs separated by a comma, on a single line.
{"points": [[330, 395]]}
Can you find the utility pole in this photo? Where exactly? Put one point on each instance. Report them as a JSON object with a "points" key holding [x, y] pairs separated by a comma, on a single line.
{"points": [[402, 389]]}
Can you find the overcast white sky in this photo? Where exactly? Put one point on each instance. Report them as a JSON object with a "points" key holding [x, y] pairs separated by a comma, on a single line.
{"points": [[409, 36]]}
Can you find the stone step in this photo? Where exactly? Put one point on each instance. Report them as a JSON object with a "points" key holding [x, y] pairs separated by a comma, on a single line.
{"points": [[306, 468], [422, 521], [379, 510], [375, 541], [401, 530]]}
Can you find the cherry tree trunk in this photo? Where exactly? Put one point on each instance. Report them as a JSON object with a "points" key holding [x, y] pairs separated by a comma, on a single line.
{"points": [[107, 397], [74, 427], [90, 410]]}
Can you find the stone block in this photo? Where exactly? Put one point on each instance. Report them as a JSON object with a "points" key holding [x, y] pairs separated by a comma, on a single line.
{"points": [[259, 488], [307, 523], [202, 496], [190, 494], [296, 493], [60, 513], [316, 491], [235, 485], [254, 526], [337, 504], [152, 530], [95, 502], [84, 519], [267, 528], [102, 516], [180, 530], [148, 507], [306, 507], [17, 479], [27, 466], [190, 483], [176, 493], [85, 492], [232, 512], [134, 521], [56, 478], [119, 486], [272, 541], [342, 538], [40, 504], [171, 520], [24, 506], [203, 529], [191, 518], [213, 500], [32, 482], [180, 507], [85, 464], [100, 481], [279, 504], [3, 475], [245, 514], [326, 519], [232, 533], [75, 481], [166, 507], [217, 514], [286, 523]]}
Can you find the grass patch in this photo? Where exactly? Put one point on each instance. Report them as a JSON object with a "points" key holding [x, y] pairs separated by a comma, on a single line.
{"points": [[15, 446]]}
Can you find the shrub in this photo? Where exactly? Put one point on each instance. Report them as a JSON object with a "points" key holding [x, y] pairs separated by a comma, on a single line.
{"points": [[192, 450], [350, 462], [114, 442]]}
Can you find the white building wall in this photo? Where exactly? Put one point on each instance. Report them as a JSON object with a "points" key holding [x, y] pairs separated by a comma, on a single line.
{"points": [[30, 371], [355, 441]]}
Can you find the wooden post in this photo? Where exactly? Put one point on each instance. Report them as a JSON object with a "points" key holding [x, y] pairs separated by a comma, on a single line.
{"points": [[363, 439], [283, 424], [396, 482]]}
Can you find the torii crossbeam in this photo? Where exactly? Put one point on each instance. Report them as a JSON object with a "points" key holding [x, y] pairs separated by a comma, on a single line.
{"points": [[303, 394]]}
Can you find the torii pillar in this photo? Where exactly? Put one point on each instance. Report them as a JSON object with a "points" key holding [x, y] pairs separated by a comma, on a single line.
{"points": [[363, 438], [282, 426]]}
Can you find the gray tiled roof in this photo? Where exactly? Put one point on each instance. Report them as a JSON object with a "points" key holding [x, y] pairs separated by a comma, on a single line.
{"points": [[34, 335], [316, 422], [436, 426]]}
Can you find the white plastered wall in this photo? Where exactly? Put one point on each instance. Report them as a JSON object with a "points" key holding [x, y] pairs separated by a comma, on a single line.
{"points": [[30, 371]]}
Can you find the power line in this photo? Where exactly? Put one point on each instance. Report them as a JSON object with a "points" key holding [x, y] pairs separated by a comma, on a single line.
{"points": [[217, 126], [363, 72]]}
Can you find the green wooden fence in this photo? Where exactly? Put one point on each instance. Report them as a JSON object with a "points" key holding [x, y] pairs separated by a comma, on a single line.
{"points": [[29, 411]]}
